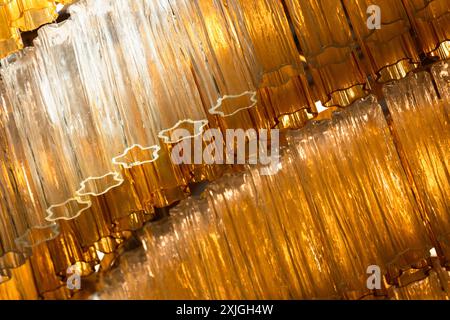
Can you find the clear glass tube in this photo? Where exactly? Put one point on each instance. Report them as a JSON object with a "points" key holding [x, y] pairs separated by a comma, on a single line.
{"points": [[221, 54], [421, 123], [89, 133], [49, 156]]}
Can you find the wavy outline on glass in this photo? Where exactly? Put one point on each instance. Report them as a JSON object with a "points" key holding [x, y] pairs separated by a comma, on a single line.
{"points": [[395, 64], [368, 38], [126, 165], [24, 242], [331, 95], [167, 140], [12, 259], [253, 99], [116, 177], [434, 18], [419, 11], [5, 276], [78, 200], [445, 43], [279, 70]]}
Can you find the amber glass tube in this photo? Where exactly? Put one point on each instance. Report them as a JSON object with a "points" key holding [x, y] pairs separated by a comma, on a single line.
{"points": [[23, 15], [13, 219], [64, 2], [431, 21], [430, 288], [34, 13], [421, 124], [359, 188], [10, 40], [219, 268], [389, 49], [20, 284], [221, 53], [340, 204], [283, 76], [327, 42]]}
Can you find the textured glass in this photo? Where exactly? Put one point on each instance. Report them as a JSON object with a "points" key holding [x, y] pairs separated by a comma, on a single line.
{"points": [[283, 77], [23, 15], [327, 42], [432, 23], [19, 285], [89, 139], [10, 40], [355, 182], [134, 59], [441, 74], [34, 13], [422, 127], [87, 120], [340, 203], [22, 212], [56, 129], [51, 160], [223, 58], [269, 31], [389, 51], [430, 288], [201, 246]]}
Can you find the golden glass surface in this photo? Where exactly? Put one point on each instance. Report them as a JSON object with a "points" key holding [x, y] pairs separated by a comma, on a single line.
{"points": [[421, 123], [441, 74], [355, 182], [22, 210], [20, 285], [431, 21], [429, 289], [327, 42], [90, 114], [10, 40], [222, 55], [391, 46], [340, 203], [205, 229], [23, 15], [34, 13], [284, 80]]}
